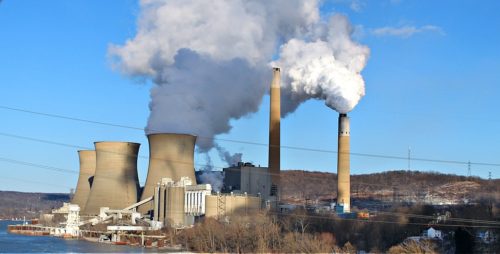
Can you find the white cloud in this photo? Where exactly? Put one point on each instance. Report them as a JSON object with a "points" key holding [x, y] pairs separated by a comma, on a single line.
{"points": [[355, 5], [406, 31]]}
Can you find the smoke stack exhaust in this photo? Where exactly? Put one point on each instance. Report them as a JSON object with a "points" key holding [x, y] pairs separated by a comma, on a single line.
{"points": [[274, 133], [343, 164], [87, 170]]}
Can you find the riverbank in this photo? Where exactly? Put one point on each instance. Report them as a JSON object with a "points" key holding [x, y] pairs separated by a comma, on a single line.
{"points": [[106, 239]]}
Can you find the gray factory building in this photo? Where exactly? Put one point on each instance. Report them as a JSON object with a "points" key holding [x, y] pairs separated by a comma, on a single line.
{"points": [[247, 178]]}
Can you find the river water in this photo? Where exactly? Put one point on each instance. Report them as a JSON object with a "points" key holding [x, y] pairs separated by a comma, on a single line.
{"points": [[12, 243]]}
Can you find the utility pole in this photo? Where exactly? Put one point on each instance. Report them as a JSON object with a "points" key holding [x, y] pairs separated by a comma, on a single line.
{"points": [[468, 169], [409, 157]]}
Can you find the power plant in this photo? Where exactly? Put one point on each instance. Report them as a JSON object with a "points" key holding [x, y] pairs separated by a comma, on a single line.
{"points": [[87, 170], [170, 156], [116, 183], [343, 164], [108, 186]]}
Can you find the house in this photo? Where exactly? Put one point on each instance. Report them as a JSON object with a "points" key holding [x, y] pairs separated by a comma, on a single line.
{"points": [[433, 233]]}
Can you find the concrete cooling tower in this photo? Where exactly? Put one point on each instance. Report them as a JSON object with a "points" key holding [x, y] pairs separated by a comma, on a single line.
{"points": [[87, 170], [343, 164], [170, 156], [116, 183]]}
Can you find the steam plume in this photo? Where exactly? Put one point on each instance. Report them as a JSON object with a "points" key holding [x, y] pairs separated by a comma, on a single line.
{"points": [[208, 175], [327, 67], [209, 61], [230, 159]]}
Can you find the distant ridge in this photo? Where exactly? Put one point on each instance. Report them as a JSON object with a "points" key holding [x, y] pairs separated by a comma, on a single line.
{"points": [[299, 185], [398, 184], [19, 204]]}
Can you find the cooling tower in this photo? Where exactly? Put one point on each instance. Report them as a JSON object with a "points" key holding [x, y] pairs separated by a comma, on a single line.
{"points": [[87, 170], [116, 183], [170, 156], [274, 134], [343, 164]]}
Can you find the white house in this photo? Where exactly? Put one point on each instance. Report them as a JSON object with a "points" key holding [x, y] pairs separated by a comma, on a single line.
{"points": [[433, 233]]}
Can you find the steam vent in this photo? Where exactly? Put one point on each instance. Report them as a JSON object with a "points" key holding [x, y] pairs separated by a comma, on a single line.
{"points": [[87, 170], [170, 156], [274, 134], [343, 164], [116, 183]]}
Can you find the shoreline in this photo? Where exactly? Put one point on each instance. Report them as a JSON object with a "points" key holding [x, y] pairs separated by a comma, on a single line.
{"points": [[142, 241]]}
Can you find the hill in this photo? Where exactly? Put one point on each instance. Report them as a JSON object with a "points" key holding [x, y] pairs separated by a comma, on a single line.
{"points": [[19, 204], [408, 186], [299, 186]]}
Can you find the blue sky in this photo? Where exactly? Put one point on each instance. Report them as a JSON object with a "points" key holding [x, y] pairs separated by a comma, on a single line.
{"points": [[432, 83]]}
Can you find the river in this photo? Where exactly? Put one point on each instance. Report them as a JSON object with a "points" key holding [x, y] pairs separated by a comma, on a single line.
{"points": [[11, 243]]}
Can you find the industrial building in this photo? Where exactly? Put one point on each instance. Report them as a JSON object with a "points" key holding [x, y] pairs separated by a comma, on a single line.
{"points": [[246, 178], [179, 204]]}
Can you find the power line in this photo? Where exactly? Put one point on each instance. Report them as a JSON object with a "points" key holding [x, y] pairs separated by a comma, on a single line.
{"points": [[200, 165], [255, 143], [38, 165], [434, 217], [383, 221], [30, 181]]}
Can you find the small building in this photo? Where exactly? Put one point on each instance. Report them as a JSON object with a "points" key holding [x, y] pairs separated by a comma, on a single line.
{"points": [[433, 233]]}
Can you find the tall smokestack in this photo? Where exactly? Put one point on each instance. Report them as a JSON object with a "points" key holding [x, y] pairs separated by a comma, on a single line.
{"points": [[170, 156], [274, 133], [87, 170], [343, 164], [116, 183]]}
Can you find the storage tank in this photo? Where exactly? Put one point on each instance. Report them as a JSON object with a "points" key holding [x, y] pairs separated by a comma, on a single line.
{"points": [[174, 211], [87, 170], [116, 183], [170, 156]]}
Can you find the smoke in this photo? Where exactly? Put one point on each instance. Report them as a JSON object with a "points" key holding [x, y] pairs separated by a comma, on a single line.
{"points": [[214, 178], [327, 67], [210, 60], [230, 159]]}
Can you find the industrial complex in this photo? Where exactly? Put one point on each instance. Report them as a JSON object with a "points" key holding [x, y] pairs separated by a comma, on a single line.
{"points": [[108, 187]]}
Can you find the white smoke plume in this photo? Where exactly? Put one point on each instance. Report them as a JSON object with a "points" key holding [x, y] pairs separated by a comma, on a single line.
{"points": [[327, 67], [208, 175], [230, 159], [210, 60]]}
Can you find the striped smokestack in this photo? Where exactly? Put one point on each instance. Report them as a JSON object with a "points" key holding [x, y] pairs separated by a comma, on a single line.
{"points": [[343, 164], [274, 133]]}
